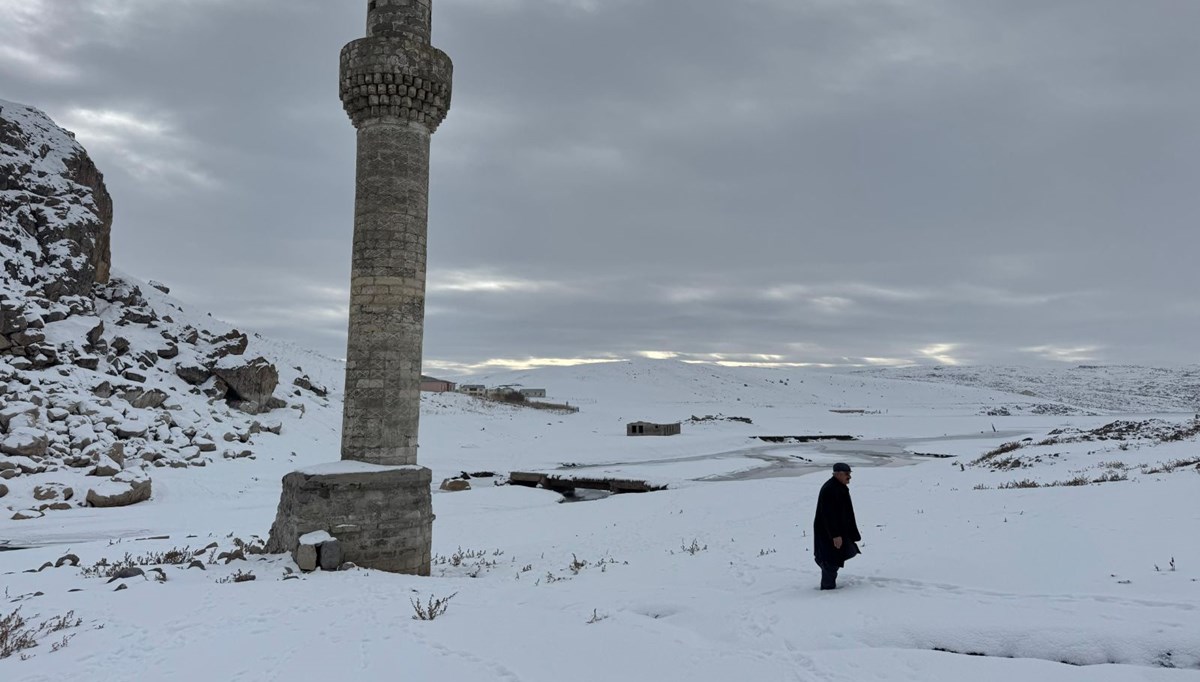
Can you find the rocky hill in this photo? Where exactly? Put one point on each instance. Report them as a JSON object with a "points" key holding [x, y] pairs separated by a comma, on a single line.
{"points": [[55, 215], [103, 379]]}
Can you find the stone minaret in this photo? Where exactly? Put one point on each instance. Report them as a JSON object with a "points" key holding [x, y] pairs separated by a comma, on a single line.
{"points": [[376, 502], [396, 89]]}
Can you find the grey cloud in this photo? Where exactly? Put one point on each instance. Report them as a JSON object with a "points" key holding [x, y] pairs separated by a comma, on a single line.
{"points": [[815, 180]]}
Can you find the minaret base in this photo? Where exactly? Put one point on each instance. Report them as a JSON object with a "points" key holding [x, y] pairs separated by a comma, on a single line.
{"points": [[381, 516]]}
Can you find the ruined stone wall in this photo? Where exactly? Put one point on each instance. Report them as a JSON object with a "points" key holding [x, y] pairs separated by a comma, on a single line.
{"points": [[382, 519]]}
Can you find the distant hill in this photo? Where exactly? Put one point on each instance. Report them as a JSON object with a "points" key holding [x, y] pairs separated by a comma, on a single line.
{"points": [[1116, 388]]}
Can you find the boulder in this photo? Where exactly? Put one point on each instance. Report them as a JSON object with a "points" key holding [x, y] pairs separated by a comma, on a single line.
{"points": [[273, 426], [455, 485], [139, 315], [192, 373], [306, 383], [233, 343], [248, 406], [134, 375], [52, 491], [131, 429], [126, 573], [253, 381], [105, 467], [27, 338], [3, 490], [12, 318], [82, 435], [96, 333], [306, 557], [116, 452], [145, 398], [330, 555], [15, 411], [154, 457], [25, 442], [123, 490]]}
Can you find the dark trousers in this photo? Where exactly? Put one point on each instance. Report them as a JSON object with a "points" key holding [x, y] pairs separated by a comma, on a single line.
{"points": [[828, 576]]}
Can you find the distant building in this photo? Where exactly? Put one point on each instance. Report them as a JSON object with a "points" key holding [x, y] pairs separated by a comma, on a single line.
{"points": [[533, 392], [473, 389], [433, 385], [651, 429]]}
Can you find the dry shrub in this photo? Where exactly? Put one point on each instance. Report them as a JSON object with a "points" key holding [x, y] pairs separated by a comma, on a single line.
{"points": [[18, 634], [171, 557], [432, 609], [1170, 467], [1002, 450]]}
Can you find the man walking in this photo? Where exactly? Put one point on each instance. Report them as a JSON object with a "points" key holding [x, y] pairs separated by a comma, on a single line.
{"points": [[834, 529]]}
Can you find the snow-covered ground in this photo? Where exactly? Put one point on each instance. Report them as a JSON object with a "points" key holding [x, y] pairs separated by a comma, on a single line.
{"points": [[710, 579]]}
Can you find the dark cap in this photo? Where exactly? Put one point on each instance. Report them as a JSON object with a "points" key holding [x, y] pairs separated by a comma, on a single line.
{"points": [[841, 466]]}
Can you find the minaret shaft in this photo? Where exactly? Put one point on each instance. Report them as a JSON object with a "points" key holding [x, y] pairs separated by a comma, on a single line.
{"points": [[400, 17], [387, 294]]}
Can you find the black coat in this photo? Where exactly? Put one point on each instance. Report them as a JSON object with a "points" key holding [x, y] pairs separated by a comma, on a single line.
{"points": [[835, 518]]}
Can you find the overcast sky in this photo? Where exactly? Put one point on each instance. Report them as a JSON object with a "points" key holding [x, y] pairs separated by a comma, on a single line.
{"points": [[782, 181]]}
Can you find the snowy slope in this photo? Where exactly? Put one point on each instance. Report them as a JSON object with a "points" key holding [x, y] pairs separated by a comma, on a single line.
{"points": [[710, 579]]}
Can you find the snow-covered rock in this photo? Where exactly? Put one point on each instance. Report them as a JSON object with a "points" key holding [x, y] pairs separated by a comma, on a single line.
{"points": [[122, 490], [25, 442], [55, 212], [251, 384]]}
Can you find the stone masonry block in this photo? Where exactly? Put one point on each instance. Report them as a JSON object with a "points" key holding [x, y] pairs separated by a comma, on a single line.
{"points": [[381, 520]]}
